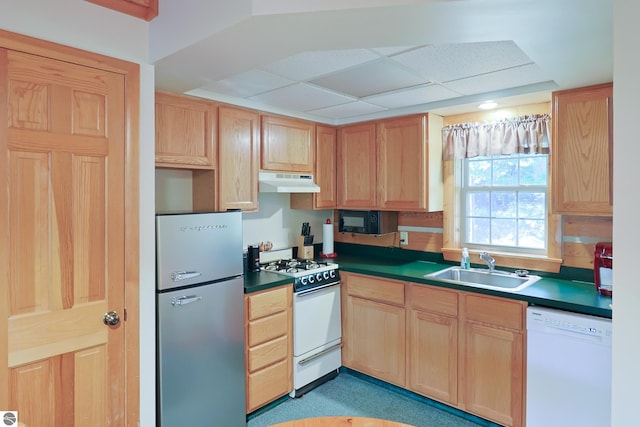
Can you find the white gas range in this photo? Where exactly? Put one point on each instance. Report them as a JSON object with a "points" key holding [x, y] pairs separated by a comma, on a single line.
{"points": [[317, 327]]}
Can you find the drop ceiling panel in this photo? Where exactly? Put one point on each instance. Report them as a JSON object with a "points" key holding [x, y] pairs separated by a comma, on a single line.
{"points": [[413, 96], [455, 61], [309, 65], [370, 78], [504, 79], [351, 109], [301, 97]]}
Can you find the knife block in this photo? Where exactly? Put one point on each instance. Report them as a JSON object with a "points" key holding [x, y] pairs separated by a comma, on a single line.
{"points": [[304, 252]]}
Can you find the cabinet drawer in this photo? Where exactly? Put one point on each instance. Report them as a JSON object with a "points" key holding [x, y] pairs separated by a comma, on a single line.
{"points": [[372, 288], [435, 300], [497, 311], [268, 328], [268, 384], [268, 353], [269, 302]]}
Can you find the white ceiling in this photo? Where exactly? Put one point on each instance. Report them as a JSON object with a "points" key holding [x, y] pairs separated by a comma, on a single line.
{"points": [[355, 60]]}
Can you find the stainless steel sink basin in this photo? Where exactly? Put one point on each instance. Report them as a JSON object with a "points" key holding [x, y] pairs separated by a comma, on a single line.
{"points": [[496, 279]]}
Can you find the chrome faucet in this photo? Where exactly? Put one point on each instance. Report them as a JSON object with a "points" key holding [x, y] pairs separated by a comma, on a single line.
{"points": [[491, 263]]}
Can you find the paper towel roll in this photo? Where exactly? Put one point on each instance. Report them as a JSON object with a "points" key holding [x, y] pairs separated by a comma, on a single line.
{"points": [[327, 239]]}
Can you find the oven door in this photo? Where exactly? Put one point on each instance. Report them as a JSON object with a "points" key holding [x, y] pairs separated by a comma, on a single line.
{"points": [[316, 318]]}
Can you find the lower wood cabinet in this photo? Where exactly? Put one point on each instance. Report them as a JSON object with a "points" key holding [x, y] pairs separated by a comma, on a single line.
{"points": [[460, 348], [374, 327], [269, 345]]}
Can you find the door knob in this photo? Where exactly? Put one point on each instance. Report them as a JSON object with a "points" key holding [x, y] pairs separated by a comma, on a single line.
{"points": [[111, 318]]}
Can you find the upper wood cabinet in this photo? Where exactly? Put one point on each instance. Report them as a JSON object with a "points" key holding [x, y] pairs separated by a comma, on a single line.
{"points": [[324, 173], [356, 166], [410, 163], [287, 144], [393, 164], [582, 151], [185, 132], [238, 153]]}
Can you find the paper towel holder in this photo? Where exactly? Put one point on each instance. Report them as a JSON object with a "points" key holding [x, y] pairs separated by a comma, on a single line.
{"points": [[325, 236]]}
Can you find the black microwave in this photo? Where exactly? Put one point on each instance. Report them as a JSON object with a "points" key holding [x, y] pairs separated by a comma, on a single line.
{"points": [[367, 222]]}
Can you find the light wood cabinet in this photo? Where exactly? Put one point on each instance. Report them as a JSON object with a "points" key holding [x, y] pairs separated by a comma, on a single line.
{"points": [[185, 132], [269, 345], [393, 164], [582, 151], [287, 144], [462, 348], [143, 9], [493, 380], [238, 154], [324, 173], [410, 163], [356, 166], [432, 342], [374, 327]]}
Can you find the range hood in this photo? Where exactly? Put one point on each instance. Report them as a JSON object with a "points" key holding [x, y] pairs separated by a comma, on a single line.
{"points": [[278, 182]]}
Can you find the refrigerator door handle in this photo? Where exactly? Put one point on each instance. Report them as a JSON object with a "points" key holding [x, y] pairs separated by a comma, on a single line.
{"points": [[177, 276], [185, 300]]}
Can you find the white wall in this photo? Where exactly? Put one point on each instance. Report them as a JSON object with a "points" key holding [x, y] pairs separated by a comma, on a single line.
{"points": [[275, 222], [626, 231]]}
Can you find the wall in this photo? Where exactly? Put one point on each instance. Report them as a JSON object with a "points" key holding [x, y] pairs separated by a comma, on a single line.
{"points": [[275, 222], [626, 233]]}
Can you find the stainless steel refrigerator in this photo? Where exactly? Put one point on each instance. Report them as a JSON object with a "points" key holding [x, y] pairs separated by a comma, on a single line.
{"points": [[200, 320]]}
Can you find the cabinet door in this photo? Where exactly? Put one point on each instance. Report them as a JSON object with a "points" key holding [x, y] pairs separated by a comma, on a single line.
{"points": [[494, 373], [376, 339], [185, 132], [357, 166], [433, 356], [402, 163], [325, 175], [582, 151], [287, 144], [239, 149]]}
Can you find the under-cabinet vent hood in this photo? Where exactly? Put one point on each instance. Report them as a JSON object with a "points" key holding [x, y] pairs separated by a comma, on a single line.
{"points": [[278, 182]]}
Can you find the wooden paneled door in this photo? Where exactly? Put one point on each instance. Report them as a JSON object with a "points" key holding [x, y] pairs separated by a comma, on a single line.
{"points": [[62, 246]]}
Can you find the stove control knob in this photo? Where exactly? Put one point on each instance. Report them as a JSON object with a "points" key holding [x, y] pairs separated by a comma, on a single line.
{"points": [[325, 275], [312, 278], [332, 273], [319, 277], [303, 280]]}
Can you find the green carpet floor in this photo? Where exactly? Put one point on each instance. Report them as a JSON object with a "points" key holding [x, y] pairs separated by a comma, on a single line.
{"points": [[353, 394]]}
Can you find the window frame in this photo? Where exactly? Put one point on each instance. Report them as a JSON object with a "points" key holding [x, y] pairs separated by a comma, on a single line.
{"points": [[550, 261]]}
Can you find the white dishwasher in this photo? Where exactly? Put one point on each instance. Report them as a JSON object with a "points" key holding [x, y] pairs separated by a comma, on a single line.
{"points": [[568, 369]]}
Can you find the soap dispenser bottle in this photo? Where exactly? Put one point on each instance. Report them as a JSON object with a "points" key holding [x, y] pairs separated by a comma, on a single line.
{"points": [[465, 261]]}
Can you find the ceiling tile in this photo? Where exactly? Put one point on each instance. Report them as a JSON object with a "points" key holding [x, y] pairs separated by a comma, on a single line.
{"points": [[248, 84], [413, 96], [504, 79], [309, 65], [350, 109], [455, 61], [370, 78], [301, 97]]}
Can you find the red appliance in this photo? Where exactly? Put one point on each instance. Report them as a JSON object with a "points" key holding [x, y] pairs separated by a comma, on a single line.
{"points": [[603, 267]]}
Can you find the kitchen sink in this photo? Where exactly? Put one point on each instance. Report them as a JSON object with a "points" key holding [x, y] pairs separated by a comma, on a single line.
{"points": [[481, 278]]}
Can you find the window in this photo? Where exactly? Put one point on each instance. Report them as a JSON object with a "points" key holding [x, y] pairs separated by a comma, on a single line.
{"points": [[503, 203]]}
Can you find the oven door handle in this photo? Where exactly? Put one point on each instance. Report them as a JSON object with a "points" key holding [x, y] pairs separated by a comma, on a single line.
{"points": [[314, 290], [323, 352]]}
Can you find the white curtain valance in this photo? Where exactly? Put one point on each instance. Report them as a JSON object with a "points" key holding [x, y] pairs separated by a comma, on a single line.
{"points": [[526, 134]]}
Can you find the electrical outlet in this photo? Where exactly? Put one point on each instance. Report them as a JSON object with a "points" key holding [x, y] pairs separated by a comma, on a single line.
{"points": [[404, 237]]}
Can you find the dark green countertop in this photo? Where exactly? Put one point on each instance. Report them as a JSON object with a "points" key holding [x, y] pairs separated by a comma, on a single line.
{"points": [[254, 282], [579, 297]]}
